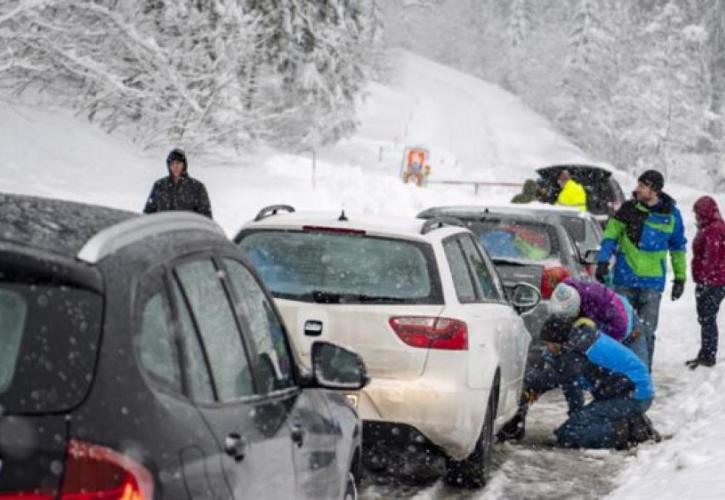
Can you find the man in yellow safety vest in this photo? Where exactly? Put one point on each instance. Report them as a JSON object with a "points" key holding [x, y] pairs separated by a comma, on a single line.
{"points": [[572, 193]]}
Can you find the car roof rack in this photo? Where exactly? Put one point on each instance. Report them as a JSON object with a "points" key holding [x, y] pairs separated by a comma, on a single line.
{"points": [[272, 210], [124, 233], [439, 222]]}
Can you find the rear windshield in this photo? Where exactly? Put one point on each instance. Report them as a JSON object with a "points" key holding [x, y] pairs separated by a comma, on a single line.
{"points": [[318, 266], [508, 239], [48, 345]]}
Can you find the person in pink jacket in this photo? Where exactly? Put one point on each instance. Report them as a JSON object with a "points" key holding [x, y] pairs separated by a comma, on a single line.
{"points": [[708, 272]]}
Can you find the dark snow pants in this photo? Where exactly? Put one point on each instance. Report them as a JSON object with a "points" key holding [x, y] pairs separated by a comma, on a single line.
{"points": [[708, 300], [647, 304], [603, 423]]}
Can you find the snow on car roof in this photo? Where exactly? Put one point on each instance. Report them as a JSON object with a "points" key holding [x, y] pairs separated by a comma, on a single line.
{"points": [[408, 227], [532, 208]]}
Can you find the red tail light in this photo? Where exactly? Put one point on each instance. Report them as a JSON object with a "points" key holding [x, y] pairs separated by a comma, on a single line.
{"points": [[97, 473], [431, 333], [551, 277], [94, 472]]}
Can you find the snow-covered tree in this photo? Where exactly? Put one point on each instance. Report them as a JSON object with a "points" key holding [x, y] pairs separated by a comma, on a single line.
{"points": [[519, 22], [232, 72], [662, 103], [591, 70]]}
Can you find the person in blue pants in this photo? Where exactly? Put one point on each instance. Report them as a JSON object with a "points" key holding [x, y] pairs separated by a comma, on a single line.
{"points": [[619, 382]]}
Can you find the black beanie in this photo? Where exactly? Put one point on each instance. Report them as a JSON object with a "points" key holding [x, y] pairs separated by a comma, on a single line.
{"points": [[556, 329], [176, 155], [652, 179]]}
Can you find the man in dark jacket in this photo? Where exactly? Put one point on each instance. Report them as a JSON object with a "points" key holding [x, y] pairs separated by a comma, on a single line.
{"points": [[639, 236], [178, 191], [708, 272], [619, 382]]}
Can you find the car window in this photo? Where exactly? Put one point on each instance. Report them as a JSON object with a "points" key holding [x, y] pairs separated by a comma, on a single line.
{"points": [[49, 342], [304, 265], [583, 232], [273, 357], [517, 240], [480, 270], [197, 372], [154, 341], [13, 313], [459, 271], [214, 318]]}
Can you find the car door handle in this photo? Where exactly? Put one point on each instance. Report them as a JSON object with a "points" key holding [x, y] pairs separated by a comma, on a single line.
{"points": [[313, 328], [234, 446], [298, 435]]}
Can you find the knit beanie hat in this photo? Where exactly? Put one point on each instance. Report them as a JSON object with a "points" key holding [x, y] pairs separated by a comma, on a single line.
{"points": [[565, 301], [652, 179]]}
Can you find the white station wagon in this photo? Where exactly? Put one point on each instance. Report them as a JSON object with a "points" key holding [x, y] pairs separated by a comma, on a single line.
{"points": [[421, 302]]}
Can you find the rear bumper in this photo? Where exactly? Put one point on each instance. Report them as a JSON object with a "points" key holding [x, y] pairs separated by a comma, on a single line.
{"points": [[449, 416]]}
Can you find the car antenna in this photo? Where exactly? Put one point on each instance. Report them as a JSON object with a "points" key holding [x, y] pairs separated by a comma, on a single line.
{"points": [[342, 217]]}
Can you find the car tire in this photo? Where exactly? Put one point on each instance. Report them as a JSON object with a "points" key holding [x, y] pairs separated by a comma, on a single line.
{"points": [[474, 471], [350, 487]]}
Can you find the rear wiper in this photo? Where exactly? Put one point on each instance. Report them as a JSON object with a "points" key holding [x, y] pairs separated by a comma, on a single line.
{"points": [[512, 262], [341, 298]]}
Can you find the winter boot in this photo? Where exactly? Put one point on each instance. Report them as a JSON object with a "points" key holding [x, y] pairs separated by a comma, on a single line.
{"points": [[621, 434], [641, 430], [697, 362], [514, 429]]}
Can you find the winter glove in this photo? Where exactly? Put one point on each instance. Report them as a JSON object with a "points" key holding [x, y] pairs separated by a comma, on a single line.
{"points": [[678, 287], [529, 396], [602, 272]]}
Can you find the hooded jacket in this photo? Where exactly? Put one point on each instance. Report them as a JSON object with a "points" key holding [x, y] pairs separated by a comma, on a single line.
{"points": [[605, 367], [603, 306], [642, 236], [187, 194], [708, 248]]}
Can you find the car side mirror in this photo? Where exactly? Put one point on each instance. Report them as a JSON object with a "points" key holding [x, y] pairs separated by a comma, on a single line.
{"points": [[591, 256], [525, 297], [334, 367]]}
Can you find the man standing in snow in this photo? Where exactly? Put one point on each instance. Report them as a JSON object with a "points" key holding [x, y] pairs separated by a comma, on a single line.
{"points": [[178, 191], [708, 272], [639, 236], [620, 384]]}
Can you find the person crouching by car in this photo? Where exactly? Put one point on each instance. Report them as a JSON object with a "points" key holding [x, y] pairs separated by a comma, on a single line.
{"points": [[178, 191], [708, 272], [619, 382], [573, 298]]}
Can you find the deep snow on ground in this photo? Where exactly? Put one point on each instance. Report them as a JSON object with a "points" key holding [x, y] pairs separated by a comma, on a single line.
{"points": [[475, 131]]}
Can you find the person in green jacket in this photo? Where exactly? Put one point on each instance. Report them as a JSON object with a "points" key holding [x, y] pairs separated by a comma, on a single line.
{"points": [[639, 237], [572, 193]]}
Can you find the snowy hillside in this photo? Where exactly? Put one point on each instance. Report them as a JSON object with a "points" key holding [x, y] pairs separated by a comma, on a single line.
{"points": [[474, 131]]}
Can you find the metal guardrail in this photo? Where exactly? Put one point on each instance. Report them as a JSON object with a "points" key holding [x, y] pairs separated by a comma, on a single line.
{"points": [[477, 184]]}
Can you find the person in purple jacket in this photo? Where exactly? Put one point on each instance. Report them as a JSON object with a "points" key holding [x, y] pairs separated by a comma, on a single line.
{"points": [[613, 314]]}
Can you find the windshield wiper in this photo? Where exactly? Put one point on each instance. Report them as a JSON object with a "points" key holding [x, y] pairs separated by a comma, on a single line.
{"points": [[351, 298]]}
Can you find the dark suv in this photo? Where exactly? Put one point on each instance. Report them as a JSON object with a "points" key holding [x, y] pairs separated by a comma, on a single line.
{"points": [[141, 358], [604, 194]]}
